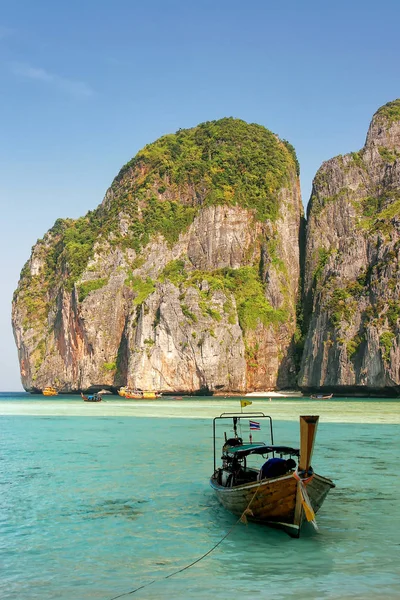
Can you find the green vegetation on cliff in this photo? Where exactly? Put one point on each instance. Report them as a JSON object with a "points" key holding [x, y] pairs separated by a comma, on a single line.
{"points": [[377, 212], [244, 284], [160, 192], [386, 342], [218, 162], [146, 219], [142, 288], [389, 156], [90, 286], [390, 111]]}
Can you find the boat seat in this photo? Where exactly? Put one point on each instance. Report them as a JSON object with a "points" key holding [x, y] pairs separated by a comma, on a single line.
{"points": [[232, 442], [245, 476]]}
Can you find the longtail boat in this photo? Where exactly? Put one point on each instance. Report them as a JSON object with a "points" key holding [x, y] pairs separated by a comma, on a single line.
{"points": [[49, 391], [150, 395], [141, 395], [130, 394], [321, 396], [91, 397], [133, 395], [283, 493]]}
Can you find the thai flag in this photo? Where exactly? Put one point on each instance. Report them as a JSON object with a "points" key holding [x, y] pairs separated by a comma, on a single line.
{"points": [[254, 425]]}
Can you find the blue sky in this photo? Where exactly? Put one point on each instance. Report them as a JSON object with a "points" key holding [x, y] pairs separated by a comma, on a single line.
{"points": [[85, 84]]}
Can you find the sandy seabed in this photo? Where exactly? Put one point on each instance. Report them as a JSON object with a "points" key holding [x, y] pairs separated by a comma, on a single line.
{"points": [[345, 410]]}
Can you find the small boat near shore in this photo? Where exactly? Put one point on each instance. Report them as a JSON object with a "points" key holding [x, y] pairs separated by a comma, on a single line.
{"points": [[133, 394], [150, 395], [91, 397], [321, 396], [130, 394], [50, 391], [284, 492]]}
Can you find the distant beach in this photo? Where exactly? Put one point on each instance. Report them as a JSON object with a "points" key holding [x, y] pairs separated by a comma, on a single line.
{"points": [[283, 394], [339, 410]]}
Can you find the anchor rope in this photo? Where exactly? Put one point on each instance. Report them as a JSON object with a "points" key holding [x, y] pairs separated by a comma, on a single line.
{"points": [[241, 519]]}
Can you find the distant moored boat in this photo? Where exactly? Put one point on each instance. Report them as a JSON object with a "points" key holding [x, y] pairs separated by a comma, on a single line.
{"points": [[151, 395], [91, 397], [133, 394], [49, 391]]}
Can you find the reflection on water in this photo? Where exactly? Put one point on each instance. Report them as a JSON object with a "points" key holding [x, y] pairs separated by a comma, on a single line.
{"points": [[97, 507], [127, 509]]}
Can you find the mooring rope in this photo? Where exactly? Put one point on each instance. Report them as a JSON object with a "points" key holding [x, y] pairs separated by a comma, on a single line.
{"points": [[303, 479], [241, 519]]}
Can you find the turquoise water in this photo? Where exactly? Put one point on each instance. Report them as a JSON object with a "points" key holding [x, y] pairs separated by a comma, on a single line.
{"points": [[94, 506]]}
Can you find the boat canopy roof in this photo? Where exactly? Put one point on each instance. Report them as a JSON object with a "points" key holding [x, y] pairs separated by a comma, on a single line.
{"points": [[240, 450], [247, 449]]}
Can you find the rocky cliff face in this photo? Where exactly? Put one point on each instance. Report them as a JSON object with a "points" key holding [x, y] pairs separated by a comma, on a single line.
{"points": [[184, 279], [352, 279]]}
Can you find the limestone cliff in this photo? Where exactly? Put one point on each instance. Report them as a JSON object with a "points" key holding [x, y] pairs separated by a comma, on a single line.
{"points": [[352, 279], [184, 278]]}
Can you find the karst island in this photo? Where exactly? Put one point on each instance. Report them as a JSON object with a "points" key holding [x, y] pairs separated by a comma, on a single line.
{"points": [[199, 272]]}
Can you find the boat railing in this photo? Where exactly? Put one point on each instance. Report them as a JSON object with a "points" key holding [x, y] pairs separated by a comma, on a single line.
{"points": [[242, 414], [235, 417]]}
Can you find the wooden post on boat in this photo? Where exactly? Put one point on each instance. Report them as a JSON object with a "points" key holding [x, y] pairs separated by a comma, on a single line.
{"points": [[308, 430]]}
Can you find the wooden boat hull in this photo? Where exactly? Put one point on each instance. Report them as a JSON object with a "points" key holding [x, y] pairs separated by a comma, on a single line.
{"points": [[272, 501]]}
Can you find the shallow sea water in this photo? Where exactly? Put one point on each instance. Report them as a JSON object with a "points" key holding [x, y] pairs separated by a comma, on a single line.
{"points": [[100, 503]]}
